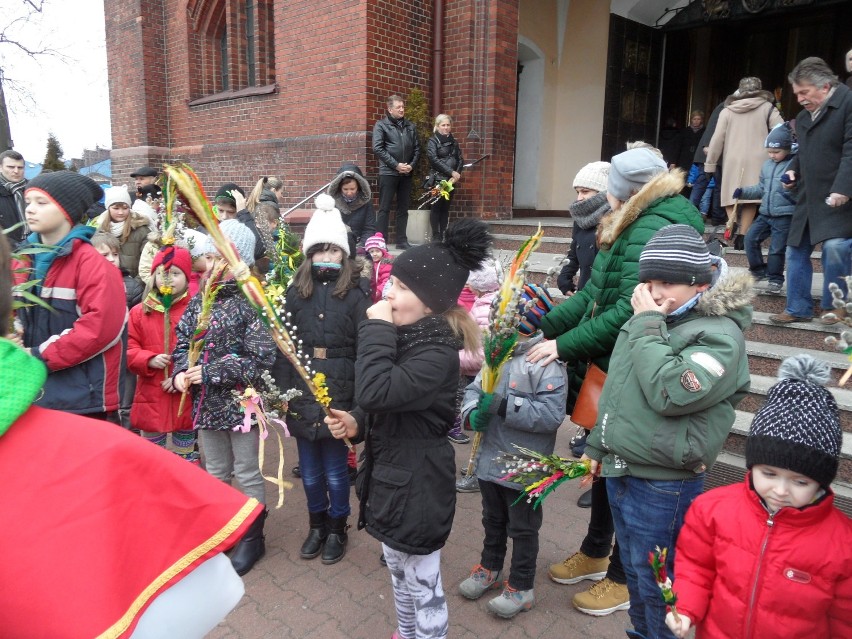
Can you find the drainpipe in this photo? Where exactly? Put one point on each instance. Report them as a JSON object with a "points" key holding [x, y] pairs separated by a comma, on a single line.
{"points": [[437, 56]]}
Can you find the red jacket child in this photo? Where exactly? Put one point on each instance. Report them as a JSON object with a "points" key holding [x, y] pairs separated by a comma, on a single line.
{"points": [[771, 558], [154, 409]]}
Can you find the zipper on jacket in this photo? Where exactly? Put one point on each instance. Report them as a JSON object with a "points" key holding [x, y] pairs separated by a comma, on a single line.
{"points": [[770, 523]]}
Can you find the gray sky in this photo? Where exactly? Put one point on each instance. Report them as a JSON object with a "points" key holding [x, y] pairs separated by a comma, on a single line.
{"points": [[70, 96]]}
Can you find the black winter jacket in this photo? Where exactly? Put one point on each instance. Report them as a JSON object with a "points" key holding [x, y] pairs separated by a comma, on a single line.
{"points": [[395, 142], [359, 215], [406, 405], [10, 215], [323, 321], [444, 155]]}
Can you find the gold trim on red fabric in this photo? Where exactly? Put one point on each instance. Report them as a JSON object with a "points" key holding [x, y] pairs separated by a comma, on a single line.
{"points": [[121, 626]]}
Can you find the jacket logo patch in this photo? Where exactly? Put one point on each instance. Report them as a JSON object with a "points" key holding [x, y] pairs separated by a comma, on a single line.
{"points": [[799, 576], [708, 363], [690, 382]]}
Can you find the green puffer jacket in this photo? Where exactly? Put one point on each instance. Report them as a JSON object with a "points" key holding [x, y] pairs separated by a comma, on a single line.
{"points": [[586, 325], [670, 393]]}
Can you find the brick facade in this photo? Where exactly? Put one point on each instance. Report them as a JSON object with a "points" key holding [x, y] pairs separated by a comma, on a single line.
{"points": [[313, 106]]}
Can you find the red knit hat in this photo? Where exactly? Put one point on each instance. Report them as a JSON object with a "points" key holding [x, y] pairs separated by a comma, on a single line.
{"points": [[169, 256]]}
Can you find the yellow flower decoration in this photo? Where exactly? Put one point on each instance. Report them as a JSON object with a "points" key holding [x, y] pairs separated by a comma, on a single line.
{"points": [[166, 290], [167, 241], [322, 390]]}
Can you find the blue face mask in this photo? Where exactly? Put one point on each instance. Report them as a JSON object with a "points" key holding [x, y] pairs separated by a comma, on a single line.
{"points": [[683, 310], [325, 271]]}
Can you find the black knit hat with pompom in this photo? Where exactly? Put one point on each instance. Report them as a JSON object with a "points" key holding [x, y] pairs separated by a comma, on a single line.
{"points": [[798, 428], [437, 272]]}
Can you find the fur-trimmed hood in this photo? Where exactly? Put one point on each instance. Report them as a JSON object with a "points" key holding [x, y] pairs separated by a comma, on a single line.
{"points": [[765, 96], [729, 295], [660, 186], [364, 193]]}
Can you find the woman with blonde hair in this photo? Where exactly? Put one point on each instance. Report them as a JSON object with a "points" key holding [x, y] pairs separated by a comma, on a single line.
{"points": [[446, 162]]}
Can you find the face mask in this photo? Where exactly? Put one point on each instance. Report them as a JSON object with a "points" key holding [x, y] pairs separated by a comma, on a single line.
{"points": [[683, 310], [325, 271]]}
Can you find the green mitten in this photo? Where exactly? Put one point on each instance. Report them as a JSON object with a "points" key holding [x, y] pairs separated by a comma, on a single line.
{"points": [[480, 417]]}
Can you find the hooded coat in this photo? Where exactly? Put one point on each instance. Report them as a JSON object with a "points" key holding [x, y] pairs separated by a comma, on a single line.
{"points": [[358, 215], [738, 142], [586, 325], [668, 402], [740, 572]]}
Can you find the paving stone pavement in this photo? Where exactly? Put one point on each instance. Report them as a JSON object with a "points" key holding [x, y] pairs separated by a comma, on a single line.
{"points": [[290, 598]]}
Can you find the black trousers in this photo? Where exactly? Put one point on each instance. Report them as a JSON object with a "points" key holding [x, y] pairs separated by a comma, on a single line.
{"points": [[439, 217], [391, 186], [502, 520], [598, 540]]}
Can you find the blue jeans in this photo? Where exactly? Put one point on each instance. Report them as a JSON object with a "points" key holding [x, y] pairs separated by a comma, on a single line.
{"points": [[648, 513], [702, 193], [836, 258], [776, 229], [325, 477]]}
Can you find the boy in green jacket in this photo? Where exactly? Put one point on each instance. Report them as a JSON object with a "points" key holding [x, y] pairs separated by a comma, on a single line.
{"points": [[677, 372]]}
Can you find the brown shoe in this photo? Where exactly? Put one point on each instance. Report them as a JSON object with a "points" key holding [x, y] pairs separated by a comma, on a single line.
{"points": [[833, 317], [786, 318]]}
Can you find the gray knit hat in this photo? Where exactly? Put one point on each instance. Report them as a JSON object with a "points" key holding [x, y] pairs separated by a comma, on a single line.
{"points": [[631, 170], [241, 237], [798, 428], [676, 254], [592, 176]]}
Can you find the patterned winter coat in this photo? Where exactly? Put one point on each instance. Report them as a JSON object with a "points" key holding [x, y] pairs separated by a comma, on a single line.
{"points": [[586, 325], [741, 573], [238, 348]]}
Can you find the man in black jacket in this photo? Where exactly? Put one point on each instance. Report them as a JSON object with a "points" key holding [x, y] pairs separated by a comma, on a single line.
{"points": [[12, 185], [398, 150]]}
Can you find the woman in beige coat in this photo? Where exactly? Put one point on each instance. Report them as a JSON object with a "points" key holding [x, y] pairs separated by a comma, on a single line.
{"points": [[738, 145]]}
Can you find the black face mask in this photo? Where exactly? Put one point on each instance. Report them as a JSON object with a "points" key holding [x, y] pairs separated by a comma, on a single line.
{"points": [[325, 271]]}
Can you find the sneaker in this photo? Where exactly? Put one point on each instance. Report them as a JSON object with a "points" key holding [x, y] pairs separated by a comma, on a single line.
{"points": [[481, 580], [603, 598], [457, 436], [578, 442], [774, 288], [577, 568], [467, 485], [510, 602]]}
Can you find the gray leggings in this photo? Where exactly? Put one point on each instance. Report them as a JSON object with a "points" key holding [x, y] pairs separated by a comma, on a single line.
{"points": [[228, 452], [421, 607]]}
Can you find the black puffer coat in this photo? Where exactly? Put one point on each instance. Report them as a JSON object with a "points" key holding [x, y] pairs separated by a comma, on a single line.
{"points": [[394, 142], [444, 155], [406, 405], [326, 322]]}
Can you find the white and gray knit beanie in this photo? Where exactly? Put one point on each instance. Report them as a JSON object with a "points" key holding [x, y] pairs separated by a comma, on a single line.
{"points": [[592, 176], [677, 254], [241, 237], [798, 428], [325, 227]]}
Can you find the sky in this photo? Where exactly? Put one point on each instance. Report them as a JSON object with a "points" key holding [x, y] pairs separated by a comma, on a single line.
{"points": [[69, 95]]}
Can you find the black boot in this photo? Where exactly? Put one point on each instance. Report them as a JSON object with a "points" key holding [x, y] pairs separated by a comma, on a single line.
{"points": [[335, 545], [251, 547], [316, 537]]}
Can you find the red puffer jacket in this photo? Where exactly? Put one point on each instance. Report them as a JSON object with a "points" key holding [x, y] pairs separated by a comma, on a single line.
{"points": [[742, 574], [154, 410]]}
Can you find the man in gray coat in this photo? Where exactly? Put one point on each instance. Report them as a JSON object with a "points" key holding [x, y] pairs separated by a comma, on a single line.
{"points": [[822, 173]]}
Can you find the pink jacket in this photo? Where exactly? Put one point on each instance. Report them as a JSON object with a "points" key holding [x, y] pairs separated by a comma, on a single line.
{"points": [[379, 274], [470, 363]]}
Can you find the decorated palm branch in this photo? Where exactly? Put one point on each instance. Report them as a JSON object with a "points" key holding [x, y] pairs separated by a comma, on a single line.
{"points": [[843, 315], [189, 186], [499, 341], [539, 474], [288, 258], [657, 561]]}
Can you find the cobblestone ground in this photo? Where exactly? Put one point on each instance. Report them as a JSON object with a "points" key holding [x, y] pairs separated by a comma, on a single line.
{"points": [[290, 598]]}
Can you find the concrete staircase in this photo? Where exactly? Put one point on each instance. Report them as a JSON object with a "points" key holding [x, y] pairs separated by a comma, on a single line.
{"points": [[767, 344]]}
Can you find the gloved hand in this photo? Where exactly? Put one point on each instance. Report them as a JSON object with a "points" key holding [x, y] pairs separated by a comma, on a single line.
{"points": [[481, 415], [738, 193], [786, 179]]}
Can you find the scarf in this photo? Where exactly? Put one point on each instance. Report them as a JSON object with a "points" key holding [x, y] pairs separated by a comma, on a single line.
{"points": [[22, 377], [432, 329], [17, 191], [43, 260], [587, 213], [444, 139], [117, 228]]}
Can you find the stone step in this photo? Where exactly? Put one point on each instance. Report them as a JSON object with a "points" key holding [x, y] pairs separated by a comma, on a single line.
{"points": [[805, 334], [765, 358], [553, 226], [730, 468], [738, 258], [760, 385], [550, 244]]}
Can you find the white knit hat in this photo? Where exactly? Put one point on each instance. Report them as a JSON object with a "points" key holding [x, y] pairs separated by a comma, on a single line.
{"points": [[116, 194], [592, 176], [326, 226], [195, 241], [487, 278]]}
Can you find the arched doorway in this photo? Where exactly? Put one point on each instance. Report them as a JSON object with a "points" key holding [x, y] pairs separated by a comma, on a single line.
{"points": [[528, 125]]}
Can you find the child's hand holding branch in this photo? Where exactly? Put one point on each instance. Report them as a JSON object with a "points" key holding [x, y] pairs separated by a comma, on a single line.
{"points": [[159, 361], [341, 424], [679, 625]]}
